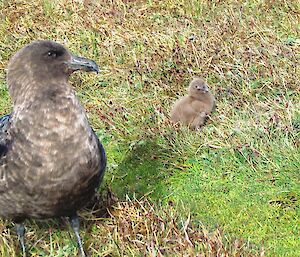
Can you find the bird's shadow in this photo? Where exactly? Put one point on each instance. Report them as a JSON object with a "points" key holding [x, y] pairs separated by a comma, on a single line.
{"points": [[141, 171]]}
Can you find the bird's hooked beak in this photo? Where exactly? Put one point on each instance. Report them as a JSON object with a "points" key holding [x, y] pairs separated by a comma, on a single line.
{"points": [[81, 63]]}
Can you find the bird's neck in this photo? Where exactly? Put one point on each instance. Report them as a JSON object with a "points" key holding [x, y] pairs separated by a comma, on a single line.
{"points": [[52, 113], [23, 89]]}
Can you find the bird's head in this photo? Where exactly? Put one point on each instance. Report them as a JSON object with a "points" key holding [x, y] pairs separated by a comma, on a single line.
{"points": [[44, 60], [45, 57], [198, 86]]}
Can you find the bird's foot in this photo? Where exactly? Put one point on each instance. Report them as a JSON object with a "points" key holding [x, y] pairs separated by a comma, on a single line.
{"points": [[21, 235], [75, 224]]}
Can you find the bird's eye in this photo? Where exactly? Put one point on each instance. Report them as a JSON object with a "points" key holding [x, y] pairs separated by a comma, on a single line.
{"points": [[52, 54]]}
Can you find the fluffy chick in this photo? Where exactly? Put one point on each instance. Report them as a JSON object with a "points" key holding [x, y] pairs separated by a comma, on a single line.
{"points": [[193, 109]]}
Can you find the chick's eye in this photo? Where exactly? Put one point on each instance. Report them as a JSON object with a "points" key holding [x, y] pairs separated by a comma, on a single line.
{"points": [[52, 54]]}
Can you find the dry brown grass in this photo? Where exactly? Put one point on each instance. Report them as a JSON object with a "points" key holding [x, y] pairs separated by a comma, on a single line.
{"points": [[141, 228]]}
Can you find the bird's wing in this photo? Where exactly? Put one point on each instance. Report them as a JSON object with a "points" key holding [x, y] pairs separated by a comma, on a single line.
{"points": [[103, 157], [4, 120], [4, 134], [103, 160], [4, 146]]}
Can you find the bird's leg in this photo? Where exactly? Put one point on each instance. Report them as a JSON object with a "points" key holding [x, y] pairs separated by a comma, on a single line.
{"points": [[21, 233], [74, 221]]}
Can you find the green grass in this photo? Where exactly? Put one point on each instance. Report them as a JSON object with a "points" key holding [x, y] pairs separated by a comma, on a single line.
{"points": [[240, 174]]}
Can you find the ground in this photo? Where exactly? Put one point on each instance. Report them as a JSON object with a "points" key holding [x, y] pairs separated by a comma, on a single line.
{"points": [[231, 188]]}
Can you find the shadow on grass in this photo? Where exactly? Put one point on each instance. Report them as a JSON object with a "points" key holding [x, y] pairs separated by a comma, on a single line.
{"points": [[142, 171]]}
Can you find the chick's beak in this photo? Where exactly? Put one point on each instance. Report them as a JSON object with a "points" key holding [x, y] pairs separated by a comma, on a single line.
{"points": [[81, 63]]}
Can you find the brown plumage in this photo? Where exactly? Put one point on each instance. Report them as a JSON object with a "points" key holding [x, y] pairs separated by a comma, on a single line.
{"points": [[193, 109], [51, 161]]}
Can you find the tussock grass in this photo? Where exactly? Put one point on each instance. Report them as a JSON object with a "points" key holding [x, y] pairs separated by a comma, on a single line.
{"points": [[240, 173]]}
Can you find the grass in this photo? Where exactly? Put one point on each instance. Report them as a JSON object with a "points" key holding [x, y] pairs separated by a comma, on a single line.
{"points": [[231, 189]]}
